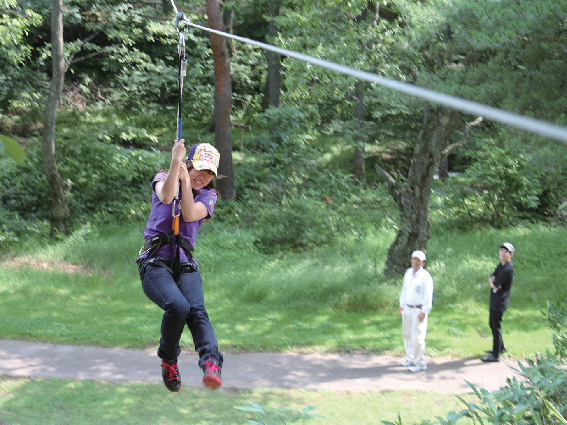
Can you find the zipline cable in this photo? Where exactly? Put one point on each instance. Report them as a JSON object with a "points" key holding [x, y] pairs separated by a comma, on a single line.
{"points": [[521, 122]]}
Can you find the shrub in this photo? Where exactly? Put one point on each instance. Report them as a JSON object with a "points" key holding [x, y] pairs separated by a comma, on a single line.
{"points": [[539, 398], [295, 224], [108, 182], [557, 319]]}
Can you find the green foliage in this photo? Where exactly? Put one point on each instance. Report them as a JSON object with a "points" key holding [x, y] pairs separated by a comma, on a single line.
{"points": [[15, 23], [540, 397], [296, 224], [18, 84], [509, 181], [557, 319], [349, 35], [276, 416], [107, 181]]}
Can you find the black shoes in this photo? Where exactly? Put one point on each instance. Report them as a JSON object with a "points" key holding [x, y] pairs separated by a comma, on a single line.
{"points": [[212, 374], [170, 375], [492, 351], [172, 379], [490, 358]]}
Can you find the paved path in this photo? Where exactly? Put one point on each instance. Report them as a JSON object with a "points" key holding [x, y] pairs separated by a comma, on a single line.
{"points": [[320, 372]]}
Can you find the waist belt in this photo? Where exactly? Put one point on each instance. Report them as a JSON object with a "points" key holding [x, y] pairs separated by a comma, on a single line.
{"points": [[414, 306], [152, 246]]}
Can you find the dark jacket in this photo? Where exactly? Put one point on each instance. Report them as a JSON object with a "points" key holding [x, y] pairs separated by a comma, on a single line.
{"points": [[503, 277]]}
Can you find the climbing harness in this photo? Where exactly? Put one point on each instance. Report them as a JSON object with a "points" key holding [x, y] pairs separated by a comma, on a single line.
{"points": [[152, 246]]}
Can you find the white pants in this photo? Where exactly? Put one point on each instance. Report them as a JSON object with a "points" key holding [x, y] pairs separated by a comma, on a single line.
{"points": [[414, 335]]}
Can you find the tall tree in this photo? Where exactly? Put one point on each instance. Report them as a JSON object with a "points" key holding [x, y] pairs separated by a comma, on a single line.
{"points": [[223, 100], [59, 188], [412, 192]]}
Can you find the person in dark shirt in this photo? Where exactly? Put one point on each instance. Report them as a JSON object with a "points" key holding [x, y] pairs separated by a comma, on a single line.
{"points": [[500, 283]]}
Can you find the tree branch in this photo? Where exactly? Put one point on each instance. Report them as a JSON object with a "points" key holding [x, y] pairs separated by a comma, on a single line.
{"points": [[392, 184], [464, 139], [72, 59]]}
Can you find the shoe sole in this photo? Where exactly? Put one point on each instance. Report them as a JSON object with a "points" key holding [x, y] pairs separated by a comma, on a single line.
{"points": [[212, 382], [174, 391]]}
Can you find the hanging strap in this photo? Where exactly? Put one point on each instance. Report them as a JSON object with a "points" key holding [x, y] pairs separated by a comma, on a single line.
{"points": [[182, 71]]}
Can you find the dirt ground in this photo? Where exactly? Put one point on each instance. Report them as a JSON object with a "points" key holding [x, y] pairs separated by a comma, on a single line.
{"points": [[317, 372]]}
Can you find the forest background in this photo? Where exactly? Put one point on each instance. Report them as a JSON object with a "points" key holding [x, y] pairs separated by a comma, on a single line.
{"points": [[331, 183]]}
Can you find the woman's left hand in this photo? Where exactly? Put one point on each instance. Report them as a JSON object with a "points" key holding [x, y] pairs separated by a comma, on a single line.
{"points": [[183, 173]]}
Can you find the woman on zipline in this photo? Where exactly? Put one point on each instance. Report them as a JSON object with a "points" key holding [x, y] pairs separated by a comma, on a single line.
{"points": [[182, 198]]}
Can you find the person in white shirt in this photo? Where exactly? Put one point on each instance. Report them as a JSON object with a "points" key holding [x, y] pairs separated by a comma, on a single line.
{"points": [[415, 304]]}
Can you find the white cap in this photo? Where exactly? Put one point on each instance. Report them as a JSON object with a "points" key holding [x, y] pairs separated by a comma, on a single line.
{"points": [[418, 254], [508, 246]]}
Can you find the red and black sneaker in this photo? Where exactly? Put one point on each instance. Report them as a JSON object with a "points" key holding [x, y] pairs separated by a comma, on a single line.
{"points": [[212, 374], [170, 375]]}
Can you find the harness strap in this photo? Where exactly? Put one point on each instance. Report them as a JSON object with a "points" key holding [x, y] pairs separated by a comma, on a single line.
{"points": [[152, 246]]}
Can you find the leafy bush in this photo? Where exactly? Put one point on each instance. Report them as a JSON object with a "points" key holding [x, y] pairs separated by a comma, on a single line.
{"points": [[557, 319], [500, 188], [295, 224], [108, 182], [539, 398]]}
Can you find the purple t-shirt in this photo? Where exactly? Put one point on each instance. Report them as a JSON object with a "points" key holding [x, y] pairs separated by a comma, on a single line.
{"points": [[161, 219]]}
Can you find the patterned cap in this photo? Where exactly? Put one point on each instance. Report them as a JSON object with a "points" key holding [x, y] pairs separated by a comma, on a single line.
{"points": [[204, 157]]}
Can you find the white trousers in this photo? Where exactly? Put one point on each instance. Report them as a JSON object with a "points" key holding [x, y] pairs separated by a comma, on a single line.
{"points": [[414, 335]]}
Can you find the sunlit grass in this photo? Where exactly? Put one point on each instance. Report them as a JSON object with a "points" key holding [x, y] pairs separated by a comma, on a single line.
{"points": [[54, 401], [334, 298]]}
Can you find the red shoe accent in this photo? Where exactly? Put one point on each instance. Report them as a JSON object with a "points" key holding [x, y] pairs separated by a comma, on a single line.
{"points": [[170, 375], [212, 374]]}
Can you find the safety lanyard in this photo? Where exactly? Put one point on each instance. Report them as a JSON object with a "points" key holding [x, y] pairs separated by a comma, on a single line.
{"points": [[175, 205], [182, 72], [174, 244]]}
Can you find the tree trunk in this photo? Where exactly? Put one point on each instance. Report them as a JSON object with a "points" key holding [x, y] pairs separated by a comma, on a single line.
{"points": [[223, 100], [413, 197], [274, 65], [359, 167], [444, 168], [229, 18], [58, 187]]}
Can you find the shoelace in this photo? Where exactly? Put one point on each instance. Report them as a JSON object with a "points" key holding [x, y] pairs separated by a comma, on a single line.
{"points": [[210, 366], [172, 372]]}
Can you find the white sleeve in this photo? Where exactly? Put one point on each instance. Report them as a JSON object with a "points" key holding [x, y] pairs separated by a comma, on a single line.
{"points": [[428, 295], [403, 292]]}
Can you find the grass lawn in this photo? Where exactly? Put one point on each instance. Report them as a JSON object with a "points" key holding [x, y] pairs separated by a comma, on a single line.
{"points": [[85, 290], [61, 402]]}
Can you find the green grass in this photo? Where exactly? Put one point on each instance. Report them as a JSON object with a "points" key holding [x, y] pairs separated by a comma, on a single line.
{"points": [[85, 290], [334, 298], [61, 402]]}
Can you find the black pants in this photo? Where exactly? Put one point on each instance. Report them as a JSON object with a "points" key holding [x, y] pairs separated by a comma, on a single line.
{"points": [[497, 342]]}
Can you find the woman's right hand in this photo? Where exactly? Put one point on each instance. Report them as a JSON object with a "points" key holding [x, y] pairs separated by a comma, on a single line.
{"points": [[178, 152]]}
